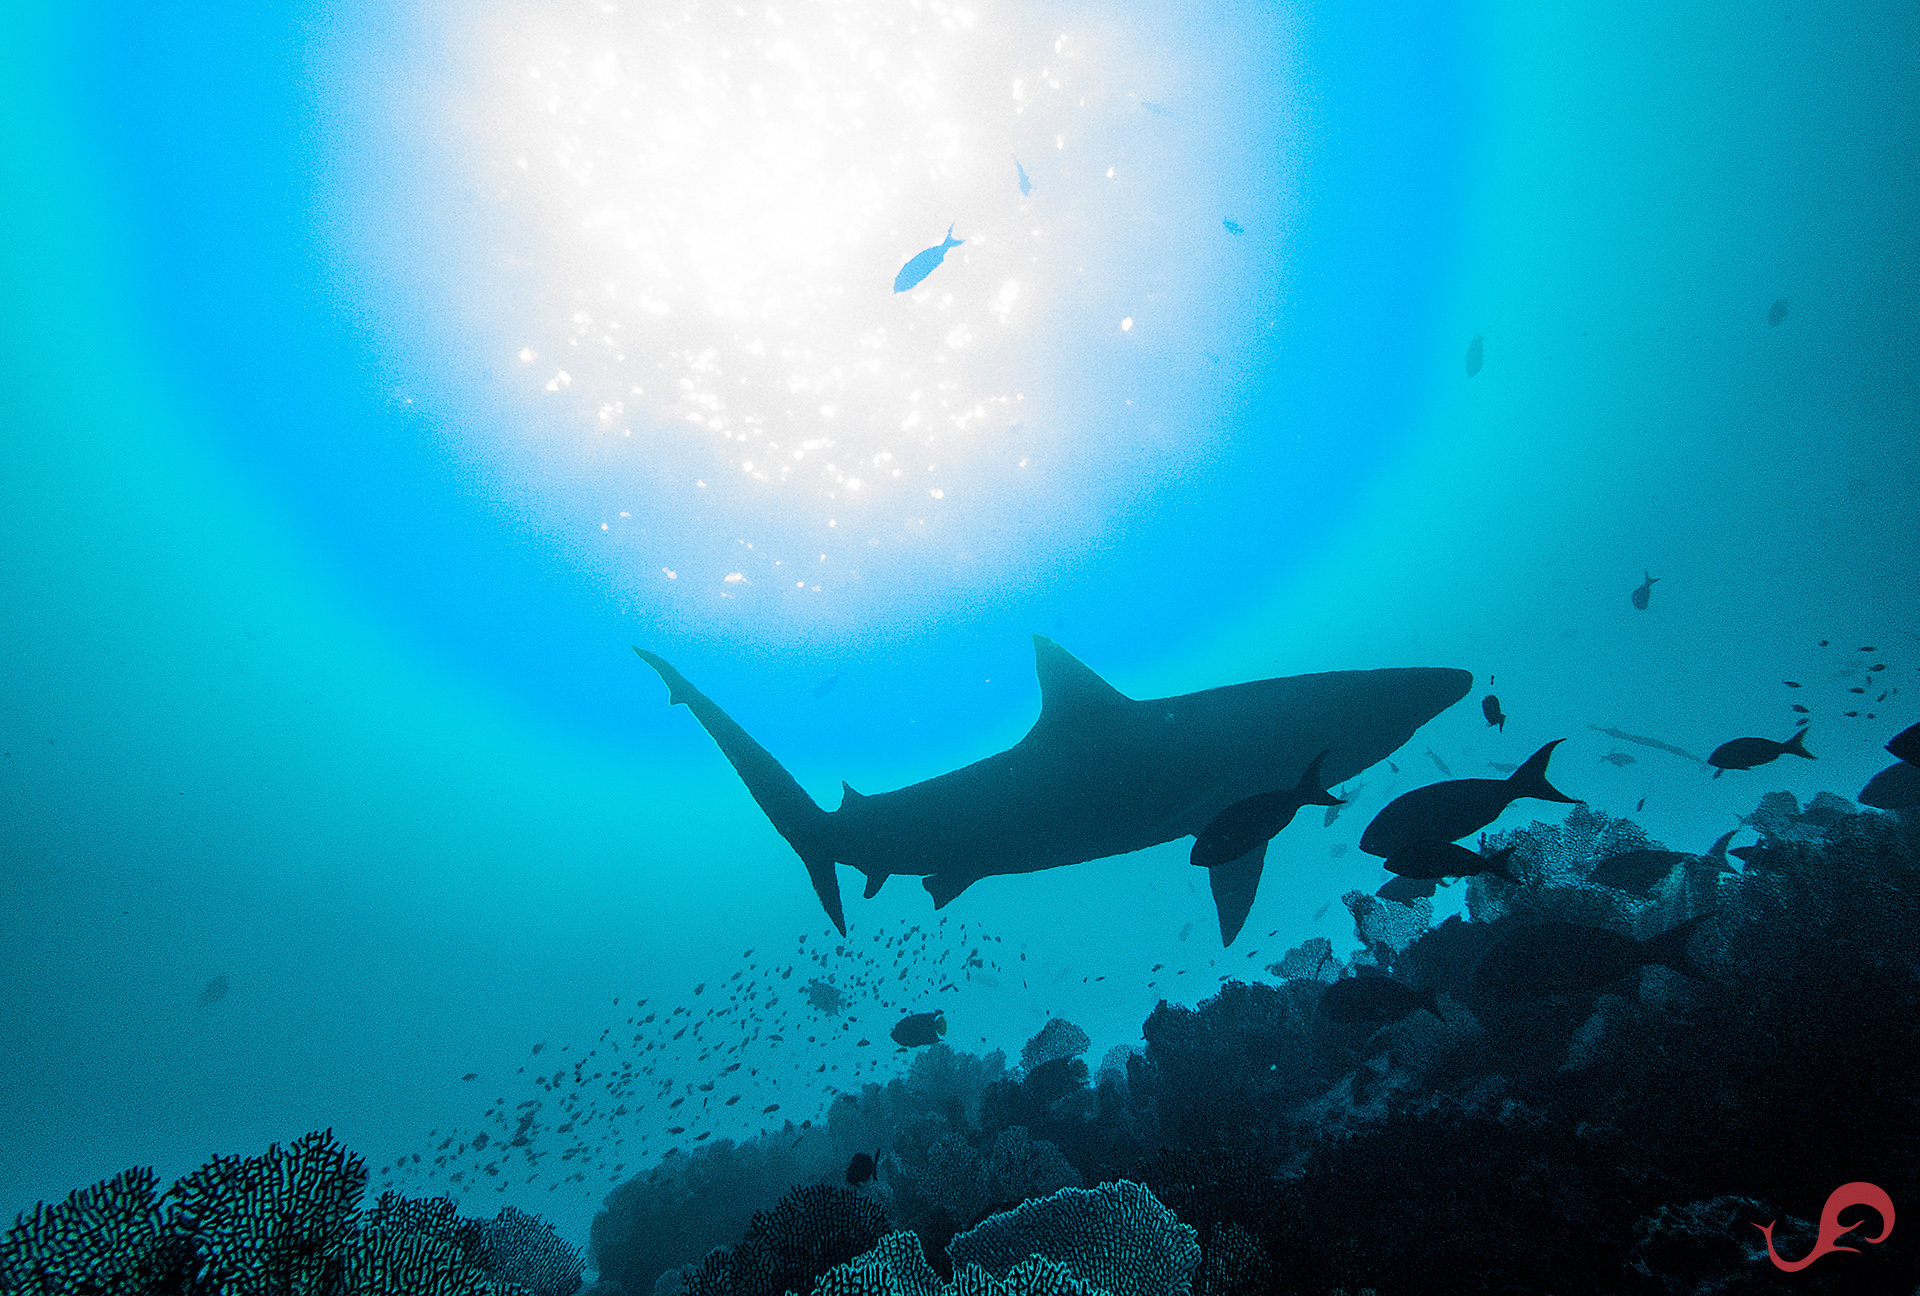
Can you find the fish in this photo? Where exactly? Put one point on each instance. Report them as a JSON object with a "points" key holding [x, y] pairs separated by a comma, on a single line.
{"points": [[1619, 760], [1634, 871], [1777, 311], [862, 1168], [1746, 753], [1906, 744], [917, 1029], [1476, 355], [825, 686], [1373, 1001], [1346, 798], [471, 1075], [1233, 847], [924, 263], [1642, 741], [1641, 805], [1232, 227], [1644, 591], [1405, 890], [1562, 960], [1026, 187], [1897, 787], [1444, 812], [1439, 764], [1440, 859], [1099, 774], [1490, 708]]}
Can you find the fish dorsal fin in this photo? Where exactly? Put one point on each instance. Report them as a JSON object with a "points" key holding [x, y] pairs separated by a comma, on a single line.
{"points": [[1070, 692]]}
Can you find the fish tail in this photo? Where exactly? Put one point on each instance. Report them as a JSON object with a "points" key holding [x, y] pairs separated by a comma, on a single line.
{"points": [[803, 823], [1798, 748], [1531, 778], [1669, 948]]}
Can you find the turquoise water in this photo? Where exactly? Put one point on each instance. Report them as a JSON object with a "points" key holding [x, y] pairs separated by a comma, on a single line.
{"points": [[313, 685]]}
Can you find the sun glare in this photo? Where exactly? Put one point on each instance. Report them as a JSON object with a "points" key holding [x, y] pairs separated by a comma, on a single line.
{"points": [[719, 235]]}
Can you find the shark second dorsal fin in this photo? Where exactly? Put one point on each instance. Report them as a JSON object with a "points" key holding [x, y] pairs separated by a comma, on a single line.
{"points": [[1068, 687]]}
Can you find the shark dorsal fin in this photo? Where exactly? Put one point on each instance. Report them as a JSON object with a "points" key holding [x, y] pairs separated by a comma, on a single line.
{"points": [[1068, 687]]}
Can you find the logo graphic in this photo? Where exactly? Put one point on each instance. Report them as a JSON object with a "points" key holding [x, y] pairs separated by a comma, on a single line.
{"points": [[1832, 1230]]}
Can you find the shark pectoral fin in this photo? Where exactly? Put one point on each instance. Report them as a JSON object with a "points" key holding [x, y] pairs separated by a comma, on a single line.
{"points": [[1234, 884], [943, 887], [874, 882]]}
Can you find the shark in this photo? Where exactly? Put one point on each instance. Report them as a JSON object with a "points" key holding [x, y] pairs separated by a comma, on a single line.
{"points": [[1099, 774]]}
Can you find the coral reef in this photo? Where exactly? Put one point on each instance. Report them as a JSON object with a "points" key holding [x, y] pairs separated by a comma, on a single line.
{"points": [[811, 1230]]}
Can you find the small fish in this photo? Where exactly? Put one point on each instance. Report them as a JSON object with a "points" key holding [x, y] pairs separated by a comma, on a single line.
{"points": [[1232, 228], [1502, 766], [1439, 764], [924, 263], [1638, 739], [1449, 811], [471, 1075], [1746, 753], [1026, 185], [1476, 355], [1447, 860], [1641, 806], [1490, 708], [862, 1168], [1258, 819], [769, 1109], [1645, 590], [1560, 960], [214, 991], [1791, 683], [921, 1028], [1906, 744], [1802, 710], [1346, 799], [825, 686], [1777, 311], [1373, 1001], [1619, 760]]}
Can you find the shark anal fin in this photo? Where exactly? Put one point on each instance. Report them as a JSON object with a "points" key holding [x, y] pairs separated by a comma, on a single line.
{"points": [[1234, 886]]}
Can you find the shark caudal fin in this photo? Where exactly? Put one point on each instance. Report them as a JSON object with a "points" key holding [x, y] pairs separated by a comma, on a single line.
{"points": [[785, 802]]}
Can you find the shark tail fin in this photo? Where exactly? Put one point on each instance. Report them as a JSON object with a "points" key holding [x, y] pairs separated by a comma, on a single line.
{"points": [[1530, 780], [1234, 885], [1311, 791], [804, 824]]}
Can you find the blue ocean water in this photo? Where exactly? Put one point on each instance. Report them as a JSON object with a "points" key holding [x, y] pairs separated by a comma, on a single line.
{"points": [[329, 775]]}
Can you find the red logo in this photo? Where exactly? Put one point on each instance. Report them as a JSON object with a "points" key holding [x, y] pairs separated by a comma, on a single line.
{"points": [[1832, 1230]]}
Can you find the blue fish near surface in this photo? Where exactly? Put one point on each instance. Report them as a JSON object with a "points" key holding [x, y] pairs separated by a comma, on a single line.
{"points": [[924, 263]]}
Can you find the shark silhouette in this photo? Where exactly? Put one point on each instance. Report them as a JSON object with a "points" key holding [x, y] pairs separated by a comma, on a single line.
{"points": [[1099, 774]]}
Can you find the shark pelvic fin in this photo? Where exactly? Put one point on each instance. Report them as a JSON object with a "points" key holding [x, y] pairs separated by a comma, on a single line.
{"points": [[1234, 885], [804, 824]]}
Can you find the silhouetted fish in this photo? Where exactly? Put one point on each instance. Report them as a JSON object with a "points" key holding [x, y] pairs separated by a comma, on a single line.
{"points": [[1634, 871], [1490, 708], [1373, 1001], [916, 1029], [1405, 890], [1619, 759], [1232, 228], [1476, 354], [924, 263], [1777, 311], [825, 686], [1897, 787], [1439, 764], [1746, 753], [1906, 744], [1026, 185], [1449, 811], [1644, 591], [1258, 819], [1564, 960], [1641, 740], [214, 991], [861, 1168], [1430, 859]]}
